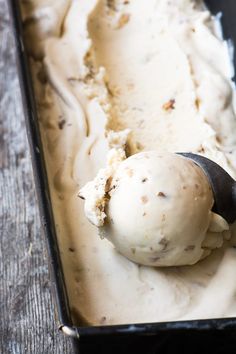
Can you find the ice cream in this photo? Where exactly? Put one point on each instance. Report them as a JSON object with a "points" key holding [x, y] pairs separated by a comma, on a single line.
{"points": [[160, 69], [156, 210]]}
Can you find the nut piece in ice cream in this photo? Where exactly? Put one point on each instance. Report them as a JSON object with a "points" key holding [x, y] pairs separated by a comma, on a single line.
{"points": [[158, 210]]}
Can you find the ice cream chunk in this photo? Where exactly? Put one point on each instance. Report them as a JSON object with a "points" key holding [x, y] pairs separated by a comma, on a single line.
{"points": [[156, 210]]}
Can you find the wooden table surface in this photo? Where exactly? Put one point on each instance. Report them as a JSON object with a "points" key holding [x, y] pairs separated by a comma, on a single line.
{"points": [[27, 323]]}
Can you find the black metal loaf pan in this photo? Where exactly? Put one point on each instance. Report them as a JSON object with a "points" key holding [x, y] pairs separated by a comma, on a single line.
{"points": [[203, 336]]}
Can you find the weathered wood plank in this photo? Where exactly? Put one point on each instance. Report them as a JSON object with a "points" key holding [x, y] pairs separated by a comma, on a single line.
{"points": [[27, 322]]}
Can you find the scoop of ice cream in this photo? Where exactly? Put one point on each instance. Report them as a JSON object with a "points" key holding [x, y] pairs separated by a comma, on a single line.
{"points": [[158, 210]]}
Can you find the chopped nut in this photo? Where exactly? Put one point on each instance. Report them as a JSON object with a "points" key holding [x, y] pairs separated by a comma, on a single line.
{"points": [[169, 105], [201, 149], [113, 187], [197, 103], [108, 185], [61, 124], [124, 18], [144, 199], [161, 194]]}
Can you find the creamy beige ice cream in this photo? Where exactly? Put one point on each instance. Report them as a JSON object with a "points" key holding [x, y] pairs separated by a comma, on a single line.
{"points": [[156, 210], [160, 69]]}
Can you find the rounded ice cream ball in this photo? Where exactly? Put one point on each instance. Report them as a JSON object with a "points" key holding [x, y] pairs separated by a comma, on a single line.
{"points": [[159, 209]]}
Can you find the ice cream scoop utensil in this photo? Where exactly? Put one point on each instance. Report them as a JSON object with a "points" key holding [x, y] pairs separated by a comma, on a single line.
{"points": [[223, 186]]}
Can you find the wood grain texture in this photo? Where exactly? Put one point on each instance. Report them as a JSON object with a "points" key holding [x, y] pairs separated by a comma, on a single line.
{"points": [[27, 322]]}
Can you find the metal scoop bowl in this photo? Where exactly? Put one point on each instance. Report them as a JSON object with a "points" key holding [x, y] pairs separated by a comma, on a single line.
{"points": [[223, 186]]}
